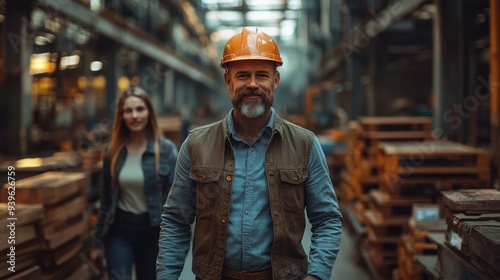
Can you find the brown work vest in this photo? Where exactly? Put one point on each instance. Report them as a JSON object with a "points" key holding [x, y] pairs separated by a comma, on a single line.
{"points": [[212, 167]]}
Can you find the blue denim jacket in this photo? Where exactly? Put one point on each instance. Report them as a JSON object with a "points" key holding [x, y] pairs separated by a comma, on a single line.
{"points": [[156, 186]]}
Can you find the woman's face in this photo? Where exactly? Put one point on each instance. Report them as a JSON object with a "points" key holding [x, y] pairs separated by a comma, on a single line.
{"points": [[135, 114]]}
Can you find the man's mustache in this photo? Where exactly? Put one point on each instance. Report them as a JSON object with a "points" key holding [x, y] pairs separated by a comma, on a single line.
{"points": [[247, 92]]}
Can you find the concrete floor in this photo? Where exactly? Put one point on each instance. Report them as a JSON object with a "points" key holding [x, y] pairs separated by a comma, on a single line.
{"points": [[347, 265]]}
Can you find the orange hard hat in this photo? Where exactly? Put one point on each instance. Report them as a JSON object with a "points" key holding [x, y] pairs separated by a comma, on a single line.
{"points": [[251, 45]]}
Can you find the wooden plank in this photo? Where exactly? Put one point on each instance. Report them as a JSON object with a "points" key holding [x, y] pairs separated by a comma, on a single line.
{"points": [[31, 273], [385, 230], [484, 259], [62, 271], [488, 237], [25, 214], [389, 206], [475, 199], [26, 256], [62, 254], [393, 120], [65, 211], [429, 148], [397, 135], [56, 239], [23, 234], [49, 187]]}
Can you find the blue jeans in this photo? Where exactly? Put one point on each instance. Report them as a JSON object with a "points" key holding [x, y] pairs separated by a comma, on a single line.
{"points": [[131, 241]]}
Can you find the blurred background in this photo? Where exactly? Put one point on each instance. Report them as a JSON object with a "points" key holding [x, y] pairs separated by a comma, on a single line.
{"points": [[357, 73]]}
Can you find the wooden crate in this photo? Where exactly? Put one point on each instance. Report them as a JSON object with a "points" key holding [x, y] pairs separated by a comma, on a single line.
{"points": [[471, 201], [459, 233], [48, 188], [484, 247]]}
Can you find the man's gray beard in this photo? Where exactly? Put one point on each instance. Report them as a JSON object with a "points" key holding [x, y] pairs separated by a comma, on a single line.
{"points": [[253, 111]]}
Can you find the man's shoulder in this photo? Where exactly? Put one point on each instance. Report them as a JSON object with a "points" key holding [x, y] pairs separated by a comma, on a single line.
{"points": [[206, 127]]}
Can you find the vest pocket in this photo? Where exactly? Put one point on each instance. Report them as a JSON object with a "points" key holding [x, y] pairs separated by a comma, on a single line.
{"points": [[207, 187], [292, 189]]}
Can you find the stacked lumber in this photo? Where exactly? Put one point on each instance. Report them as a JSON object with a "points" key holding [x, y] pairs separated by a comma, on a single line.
{"points": [[19, 247], [473, 227], [65, 226]]}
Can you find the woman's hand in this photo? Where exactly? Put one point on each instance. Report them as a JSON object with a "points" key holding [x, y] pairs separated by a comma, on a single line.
{"points": [[97, 257]]}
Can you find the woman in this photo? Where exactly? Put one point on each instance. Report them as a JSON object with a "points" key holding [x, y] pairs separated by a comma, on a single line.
{"points": [[138, 171]]}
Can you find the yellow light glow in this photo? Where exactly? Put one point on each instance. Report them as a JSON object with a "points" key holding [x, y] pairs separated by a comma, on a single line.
{"points": [[123, 83], [28, 163]]}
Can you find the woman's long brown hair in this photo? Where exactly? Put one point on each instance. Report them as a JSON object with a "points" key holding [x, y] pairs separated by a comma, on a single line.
{"points": [[120, 132]]}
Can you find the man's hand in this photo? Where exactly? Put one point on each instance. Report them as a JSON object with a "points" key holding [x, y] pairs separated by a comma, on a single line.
{"points": [[311, 277]]}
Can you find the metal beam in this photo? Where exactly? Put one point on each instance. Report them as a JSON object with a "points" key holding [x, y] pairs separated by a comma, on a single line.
{"points": [[361, 35], [495, 81], [131, 37]]}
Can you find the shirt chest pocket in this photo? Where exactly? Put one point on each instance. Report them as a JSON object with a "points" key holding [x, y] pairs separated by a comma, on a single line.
{"points": [[292, 183], [207, 187]]}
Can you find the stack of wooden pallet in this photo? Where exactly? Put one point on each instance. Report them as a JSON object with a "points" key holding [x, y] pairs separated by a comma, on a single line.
{"points": [[64, 227], [424, 167], [363, 138], [473, 231], [19, 247], [417, 171], [384, 217]]}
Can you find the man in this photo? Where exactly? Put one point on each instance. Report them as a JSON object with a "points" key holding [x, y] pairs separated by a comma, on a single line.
{"points": [[248, 180]]}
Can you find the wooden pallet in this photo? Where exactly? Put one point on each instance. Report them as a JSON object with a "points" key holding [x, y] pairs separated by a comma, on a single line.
{"points": [[484, 247], [354, 187], [395, 127], [379, 270], [389, 206], [385, 229], [408, 268], [472, 200], [433, 165], [365, 136]]}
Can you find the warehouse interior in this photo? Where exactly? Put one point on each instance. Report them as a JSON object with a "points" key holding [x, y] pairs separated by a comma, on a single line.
{"points": [[402, 94]]}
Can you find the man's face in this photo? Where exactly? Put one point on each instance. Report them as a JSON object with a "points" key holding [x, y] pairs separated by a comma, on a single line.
{"points": [[252, 84]]}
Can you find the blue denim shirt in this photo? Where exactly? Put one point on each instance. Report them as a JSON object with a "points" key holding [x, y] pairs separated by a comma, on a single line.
{"points": [[156, 185], [248, 245]]}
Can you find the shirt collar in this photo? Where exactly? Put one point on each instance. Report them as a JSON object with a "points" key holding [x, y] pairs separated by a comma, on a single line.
{"points": [[268, 128]]}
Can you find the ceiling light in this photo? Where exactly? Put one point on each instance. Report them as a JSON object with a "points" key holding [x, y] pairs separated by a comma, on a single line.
{"points": [[95, 66]]}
